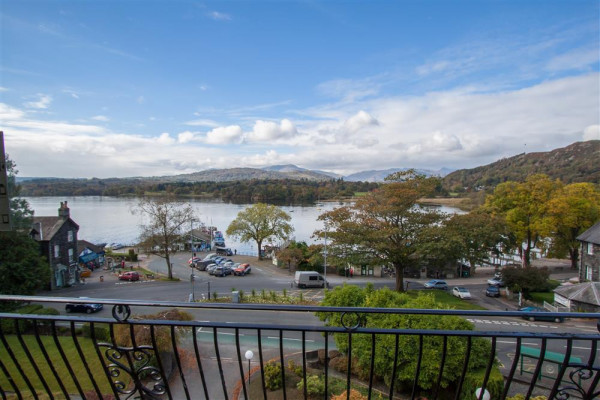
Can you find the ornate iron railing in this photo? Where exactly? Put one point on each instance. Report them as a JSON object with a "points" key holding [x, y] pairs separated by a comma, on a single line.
{"points": [[128, 355]]}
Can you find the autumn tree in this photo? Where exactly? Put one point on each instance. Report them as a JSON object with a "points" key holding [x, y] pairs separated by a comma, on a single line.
{"points": [[259, 223], [164, 219], [571, 211], [524, 206], [384, 226], [290, 256]]}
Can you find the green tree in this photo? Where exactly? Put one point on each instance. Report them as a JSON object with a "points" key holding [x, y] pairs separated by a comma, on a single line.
{"points": [[165, 220], [260, 222], [21, 215], [384, 226], [571, 211], [385, 347], [526, 280], [524, 206], [23, 269], [290, 256]]}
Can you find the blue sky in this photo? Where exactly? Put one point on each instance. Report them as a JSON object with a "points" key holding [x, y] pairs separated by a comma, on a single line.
{"points": [[141, 88]]}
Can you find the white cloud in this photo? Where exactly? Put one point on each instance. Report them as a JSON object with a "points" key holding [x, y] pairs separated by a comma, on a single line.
{"points": [[8, 113], [224, 135], [165, 139], [101, 118], [42, 102], [203, 122], [359, 121], [185, 137], [271, 131], [441, 141], [592, 132], [576, 59], [219, 16]]}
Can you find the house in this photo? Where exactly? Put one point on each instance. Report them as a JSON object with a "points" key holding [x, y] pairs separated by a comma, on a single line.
{"points": [[589, 266], [584, 297], [57, 237], [90, 254]]}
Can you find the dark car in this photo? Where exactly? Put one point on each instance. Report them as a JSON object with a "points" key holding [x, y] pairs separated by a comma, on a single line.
{"points": [[492, 291], [436, 284], [549, 318], [83, 307]]}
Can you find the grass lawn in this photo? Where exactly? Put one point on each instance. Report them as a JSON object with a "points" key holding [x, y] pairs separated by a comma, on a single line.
{"points": [[445, 297], [70, 350]]}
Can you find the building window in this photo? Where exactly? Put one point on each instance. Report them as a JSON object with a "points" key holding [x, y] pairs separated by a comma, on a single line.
{"points": [[56, 251], [70, 255], [70, 236], [590, 248], [588, 273]]}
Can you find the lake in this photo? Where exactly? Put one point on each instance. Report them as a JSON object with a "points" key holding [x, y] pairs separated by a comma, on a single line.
{"points": [[103, 219]]}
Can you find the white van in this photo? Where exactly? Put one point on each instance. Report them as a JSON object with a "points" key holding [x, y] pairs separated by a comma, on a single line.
{"points": [[304, 279]]}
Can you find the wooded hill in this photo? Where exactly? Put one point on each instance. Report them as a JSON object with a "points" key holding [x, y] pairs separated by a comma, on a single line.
{"points": [[578, 162]]}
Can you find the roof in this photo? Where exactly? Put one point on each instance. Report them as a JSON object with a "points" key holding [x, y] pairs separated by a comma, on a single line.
{"points": [[588, 292], [592, 235], [47, 227], [83, 244]]}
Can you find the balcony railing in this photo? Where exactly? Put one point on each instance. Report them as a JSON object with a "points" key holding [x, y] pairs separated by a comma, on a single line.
{"points": [[132, 355]]}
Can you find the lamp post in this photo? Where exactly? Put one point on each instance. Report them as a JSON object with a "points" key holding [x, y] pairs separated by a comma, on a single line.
{"points": [[484, 396], [249, 354], [192, 280], [325, 257]]}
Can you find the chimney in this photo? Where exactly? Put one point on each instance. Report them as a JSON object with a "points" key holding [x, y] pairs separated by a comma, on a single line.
{"points": [[63, 211]]}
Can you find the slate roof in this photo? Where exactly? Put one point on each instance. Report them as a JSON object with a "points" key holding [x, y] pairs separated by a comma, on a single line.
{"points": [[83, 244], [588, 292], [592, 235], [47, 227]]}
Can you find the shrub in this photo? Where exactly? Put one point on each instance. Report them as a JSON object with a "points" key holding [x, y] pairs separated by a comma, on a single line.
{"points": [[241, 293], [215, 295], [315, 385], [295, 368], [284, 292], [8, 325], [273, 296], [131, 256], [100, 331], [273, 376], [263, 294], [253, 292], [354, 395]]}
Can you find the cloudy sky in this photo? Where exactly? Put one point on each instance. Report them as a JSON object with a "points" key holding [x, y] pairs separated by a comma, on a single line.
{"points": [[141, 88]]}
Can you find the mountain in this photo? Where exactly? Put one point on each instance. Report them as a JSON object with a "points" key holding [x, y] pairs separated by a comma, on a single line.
{"points": [[241, 174], [578, 162], [296, 169], [379, 175]]}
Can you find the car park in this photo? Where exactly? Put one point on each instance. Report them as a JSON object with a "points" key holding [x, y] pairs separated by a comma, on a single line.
{"points": [[210, 256], [492, 291], [129, 276], [193, 260], [436, 284], [242, 269], [550, 318], [496, 281], [83, 307], [461, 292]]}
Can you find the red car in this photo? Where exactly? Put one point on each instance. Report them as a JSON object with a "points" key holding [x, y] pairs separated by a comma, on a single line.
{"points": [[243, 269], [129, 276]]}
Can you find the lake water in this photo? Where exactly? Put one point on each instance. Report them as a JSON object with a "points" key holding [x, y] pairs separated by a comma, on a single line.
{"points": [[104, 219]]}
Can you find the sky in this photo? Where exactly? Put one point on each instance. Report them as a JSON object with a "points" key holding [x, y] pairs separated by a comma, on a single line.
{"points": [[150, 88]]}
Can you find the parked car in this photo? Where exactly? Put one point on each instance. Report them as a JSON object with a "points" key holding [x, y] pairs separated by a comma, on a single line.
{"points": [[436, 284], [492, 291], [242, 269], [461, 292], [83, 307], [496, 282], [304, 279], [221, 271], [129, 276], [211, 269], [550, 318], [210, 256], [193, 260]]}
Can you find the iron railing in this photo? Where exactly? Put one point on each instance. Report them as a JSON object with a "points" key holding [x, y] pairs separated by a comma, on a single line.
{"points": [[128, 355]]}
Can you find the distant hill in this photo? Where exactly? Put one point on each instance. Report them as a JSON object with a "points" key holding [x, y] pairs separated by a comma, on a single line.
{"points": [[242, 174], [379, 175], [578, 162], [295, 169]]}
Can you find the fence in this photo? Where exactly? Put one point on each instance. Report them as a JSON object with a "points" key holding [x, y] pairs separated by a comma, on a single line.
{"points": [[169, 356]]}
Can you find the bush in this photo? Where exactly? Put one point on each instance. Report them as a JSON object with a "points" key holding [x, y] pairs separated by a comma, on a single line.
{"points": [[315, 385], [354, 395], [8, 325], [100, 331], [273, 376], [295, 368]]}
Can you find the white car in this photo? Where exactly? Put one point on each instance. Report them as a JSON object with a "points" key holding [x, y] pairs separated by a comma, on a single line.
{"points": [[461, 292], [496, 282]]}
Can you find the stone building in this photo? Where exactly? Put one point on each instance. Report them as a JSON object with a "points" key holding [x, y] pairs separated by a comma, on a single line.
{"points": [[589, 264], [57, 237]]}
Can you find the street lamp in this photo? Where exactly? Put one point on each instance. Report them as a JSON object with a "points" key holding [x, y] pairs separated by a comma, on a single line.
{"points": [[325, 257], [486, 394], [192, 280], [249, 354]]}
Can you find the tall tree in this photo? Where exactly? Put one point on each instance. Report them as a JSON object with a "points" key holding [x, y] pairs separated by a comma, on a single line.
{"points": [[524, 206], [571, 210], [21, 215], [23, 269], [384, 226], [259, 223], [165, 218]]}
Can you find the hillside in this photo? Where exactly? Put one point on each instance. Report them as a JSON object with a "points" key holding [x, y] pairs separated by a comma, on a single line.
{"points": [[380, 175], [243, 174], [578, 162]]}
